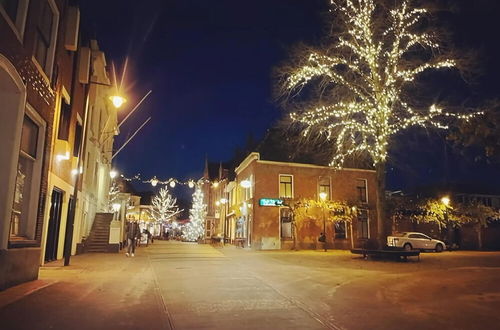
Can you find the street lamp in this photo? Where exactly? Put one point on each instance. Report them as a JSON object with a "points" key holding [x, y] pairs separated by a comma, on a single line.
{"points": [[113, 174], [322, 196], [117, 101], [445, 200]]}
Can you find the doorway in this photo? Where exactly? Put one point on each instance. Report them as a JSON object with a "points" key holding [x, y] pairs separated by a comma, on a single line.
{"points": [[54, 225]]}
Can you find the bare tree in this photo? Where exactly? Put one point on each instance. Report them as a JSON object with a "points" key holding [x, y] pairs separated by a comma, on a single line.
{"points": [[164, 206], [362, 84]]}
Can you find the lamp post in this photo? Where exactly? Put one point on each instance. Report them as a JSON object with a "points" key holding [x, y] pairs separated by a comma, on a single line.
{"points": [[322, 196], [446, 202]]}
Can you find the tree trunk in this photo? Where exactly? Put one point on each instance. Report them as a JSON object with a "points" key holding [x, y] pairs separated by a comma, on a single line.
{"points": [[479, 237], [381, 216]]}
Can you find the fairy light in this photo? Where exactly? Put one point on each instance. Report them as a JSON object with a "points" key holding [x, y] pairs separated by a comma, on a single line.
{"points": [[373, 72], [196, 228], [164, 206]]}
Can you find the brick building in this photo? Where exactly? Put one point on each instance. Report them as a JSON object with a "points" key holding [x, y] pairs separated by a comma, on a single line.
{"points": [[37, 44], [256, 217]]}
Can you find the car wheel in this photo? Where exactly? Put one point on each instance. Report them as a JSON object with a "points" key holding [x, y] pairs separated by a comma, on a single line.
{"points": [[439, 248], [407, 247]]}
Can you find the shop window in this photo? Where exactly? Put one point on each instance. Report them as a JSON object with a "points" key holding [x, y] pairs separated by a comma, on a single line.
{"points": [[286, 223], [362, 191], [286, 186], [363, 224]]}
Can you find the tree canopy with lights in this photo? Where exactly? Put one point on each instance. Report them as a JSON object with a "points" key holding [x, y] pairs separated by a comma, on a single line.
{"points": [[364, 78], [164, 206]]}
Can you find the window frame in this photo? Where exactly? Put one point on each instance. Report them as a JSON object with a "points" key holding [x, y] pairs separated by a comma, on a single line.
{"points": [[46, 69], [367, 223], [29, 237], [19, 26], [358, 195], [323, 185], [291, 184], [286, 209]]}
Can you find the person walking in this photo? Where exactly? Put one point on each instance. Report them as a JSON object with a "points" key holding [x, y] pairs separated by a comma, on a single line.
{"points": [[133, 233]]}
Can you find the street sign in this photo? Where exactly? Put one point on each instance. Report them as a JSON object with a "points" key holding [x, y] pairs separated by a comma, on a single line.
{"points": [[270, 202]]}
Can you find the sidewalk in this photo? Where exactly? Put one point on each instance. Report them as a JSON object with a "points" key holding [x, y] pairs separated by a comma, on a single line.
{"points": [[97, 291]]}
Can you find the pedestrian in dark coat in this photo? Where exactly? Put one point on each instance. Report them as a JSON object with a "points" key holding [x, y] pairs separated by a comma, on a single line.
{"points": [[133, 233]]}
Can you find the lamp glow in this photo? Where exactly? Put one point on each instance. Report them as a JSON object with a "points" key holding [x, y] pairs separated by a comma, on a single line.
{"points": [[117, 101], [113, 174], [191, 184], [323, 195], [445, 200], [154, 181], [172, 184]]}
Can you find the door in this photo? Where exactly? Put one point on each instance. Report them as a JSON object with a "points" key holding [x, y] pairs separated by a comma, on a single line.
{"points": [[54, 225]]}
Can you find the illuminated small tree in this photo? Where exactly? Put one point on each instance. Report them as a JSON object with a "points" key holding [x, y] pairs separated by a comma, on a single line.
{"points": [[331, 211], [365, 77], [164, 206], [113, 195], [196, 227], [478, 215]]}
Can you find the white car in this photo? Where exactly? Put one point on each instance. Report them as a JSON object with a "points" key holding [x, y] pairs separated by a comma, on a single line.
{"points": [[415, 241]]}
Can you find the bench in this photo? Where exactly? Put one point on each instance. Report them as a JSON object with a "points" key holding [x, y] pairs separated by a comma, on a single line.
{"points": [[239, 242], [387, 253]]}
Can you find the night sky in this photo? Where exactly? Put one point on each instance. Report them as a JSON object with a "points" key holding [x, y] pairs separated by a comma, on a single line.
{"points": [[209, 64]]}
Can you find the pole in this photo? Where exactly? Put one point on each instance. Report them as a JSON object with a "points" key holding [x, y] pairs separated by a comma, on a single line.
{"points": [[68, 240], [324, 226]]}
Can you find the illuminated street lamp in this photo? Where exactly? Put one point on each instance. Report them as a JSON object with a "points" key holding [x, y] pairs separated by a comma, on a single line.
{"points": [[113, 174], [172, 184], [445, 200], [154, 181], [117, 101], [191, 184]]}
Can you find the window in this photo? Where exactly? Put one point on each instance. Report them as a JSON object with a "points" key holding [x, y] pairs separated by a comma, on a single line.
{"points": [[78, 139], [324, 186], [363, 224], [26, 191], [16, 11], [286, 223], [361, 190], [340, 229], [286, 186], [64, 121], [11, 8], [45, 36]]}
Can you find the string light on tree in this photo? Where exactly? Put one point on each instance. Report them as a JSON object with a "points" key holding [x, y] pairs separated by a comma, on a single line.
{"points": [[196, 227], [164, 206], [363, 78]]}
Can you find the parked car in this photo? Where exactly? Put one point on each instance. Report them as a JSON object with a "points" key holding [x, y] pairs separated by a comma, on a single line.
{"points": [[415, 241]]}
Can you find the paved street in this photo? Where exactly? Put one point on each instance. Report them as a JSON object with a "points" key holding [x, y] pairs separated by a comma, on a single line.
{"points": [[172, 285]]}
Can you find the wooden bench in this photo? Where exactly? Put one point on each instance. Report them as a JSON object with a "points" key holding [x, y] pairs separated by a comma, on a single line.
{"points": [[387, 253]]}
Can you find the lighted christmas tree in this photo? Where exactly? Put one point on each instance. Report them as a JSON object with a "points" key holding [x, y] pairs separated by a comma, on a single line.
{"points": [[164, 206], [365, 80], [196, 227]]}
